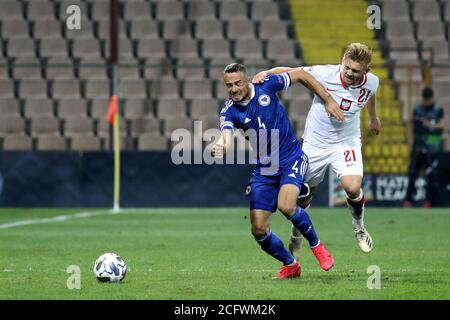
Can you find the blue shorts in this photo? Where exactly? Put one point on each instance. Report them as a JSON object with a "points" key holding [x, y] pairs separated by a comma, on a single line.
{"points": [[262, 191]]}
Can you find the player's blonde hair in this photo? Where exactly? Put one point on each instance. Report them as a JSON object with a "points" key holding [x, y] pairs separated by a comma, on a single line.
{"points": [[360, 53]]}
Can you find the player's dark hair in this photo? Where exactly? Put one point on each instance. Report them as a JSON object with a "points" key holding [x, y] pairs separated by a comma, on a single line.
{"points": [[235, 67], [427, 93]]}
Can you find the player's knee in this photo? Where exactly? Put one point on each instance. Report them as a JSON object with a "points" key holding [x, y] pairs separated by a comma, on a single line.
{"points": [[353, 190], [286, 208], [260, 230]]}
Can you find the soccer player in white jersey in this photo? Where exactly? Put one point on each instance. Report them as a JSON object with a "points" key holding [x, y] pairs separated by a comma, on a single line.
{"points": [[328, 142]]}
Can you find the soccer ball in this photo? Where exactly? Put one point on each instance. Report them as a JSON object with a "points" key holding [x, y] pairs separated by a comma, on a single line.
{"points": [[110, 267]]}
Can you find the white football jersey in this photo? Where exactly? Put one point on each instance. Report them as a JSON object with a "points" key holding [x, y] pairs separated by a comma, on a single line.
{"points": [[322, 130]]}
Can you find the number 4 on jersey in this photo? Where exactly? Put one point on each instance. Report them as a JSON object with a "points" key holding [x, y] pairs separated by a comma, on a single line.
{"points": [[261, 124]]}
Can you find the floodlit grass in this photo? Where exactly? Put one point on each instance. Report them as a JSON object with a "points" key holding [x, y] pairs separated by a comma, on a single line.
{"points": [[210, 254]]}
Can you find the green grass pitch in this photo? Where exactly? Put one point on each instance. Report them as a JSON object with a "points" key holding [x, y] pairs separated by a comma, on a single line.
{"points": [[210, 254]]}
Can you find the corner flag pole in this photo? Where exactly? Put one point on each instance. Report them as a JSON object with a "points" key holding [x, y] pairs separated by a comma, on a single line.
{"points": [[113, 114]]}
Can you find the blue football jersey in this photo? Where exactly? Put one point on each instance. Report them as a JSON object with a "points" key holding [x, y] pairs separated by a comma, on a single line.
{"points": [[265, 115]]}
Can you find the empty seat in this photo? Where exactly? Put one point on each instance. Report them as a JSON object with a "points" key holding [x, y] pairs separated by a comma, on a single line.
{"points": [[137, 108], [265, 11], [183, 48], [6, 88], [44, 126], [21, 47], [190, 69], [46, 29], [431, 30], [33, 88], [426, 10], [169, 10], [248, 48], [136, 10], [152, 141], [11, 125], [272, 29], [395, 11], [93, 68], [27, 68], [100, 10], [281, 49], [78, 126], [233, 10], [165, 88], [204, 107], [104, 29], [38, 108], [11, 10], [17, 142], [66, 88], [177, 29], [99, 108], [96, 89], [133, 88], [172, 124], [171, 108], [158, 68], [216, 48], [68, 108], [59, 68], [40, 10], [51, 143], [126, 48], [53, 48], [129, 69], [198, 89], [399, 30], [241, 29], [208, 29], [15, 29], [144, 29], [201, 10], [85, 142], [86, 48], [435, 50], [143, 125], [151, 48], [9, 107]]}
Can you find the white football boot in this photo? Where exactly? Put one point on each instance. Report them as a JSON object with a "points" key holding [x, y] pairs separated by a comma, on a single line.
{"points": [[363, 238]]}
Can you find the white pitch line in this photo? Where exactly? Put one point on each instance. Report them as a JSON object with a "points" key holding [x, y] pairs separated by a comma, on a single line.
{"points": [[80, 215]]}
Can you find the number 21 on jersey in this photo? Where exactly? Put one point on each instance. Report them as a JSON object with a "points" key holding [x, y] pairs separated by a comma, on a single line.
{"points": [[349, 157]]}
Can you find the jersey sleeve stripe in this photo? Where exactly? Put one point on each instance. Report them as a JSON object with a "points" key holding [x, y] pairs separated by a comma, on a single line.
{"points": [[287, 80], [227, 125]]}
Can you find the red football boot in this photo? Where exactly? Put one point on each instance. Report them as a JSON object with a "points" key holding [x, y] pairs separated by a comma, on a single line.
{"points": [[291, 271], [323, 256]]}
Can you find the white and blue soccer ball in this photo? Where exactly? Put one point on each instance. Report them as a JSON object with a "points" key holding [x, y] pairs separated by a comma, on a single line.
{"points": [[110, 267]]}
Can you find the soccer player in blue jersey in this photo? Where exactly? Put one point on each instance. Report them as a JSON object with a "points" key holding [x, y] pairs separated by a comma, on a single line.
{"points": [[277, 179]]}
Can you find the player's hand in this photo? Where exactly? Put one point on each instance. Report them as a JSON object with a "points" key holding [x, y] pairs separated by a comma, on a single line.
{"points": [[259, 78], [375, 126], [333, 110], [217, 151]]}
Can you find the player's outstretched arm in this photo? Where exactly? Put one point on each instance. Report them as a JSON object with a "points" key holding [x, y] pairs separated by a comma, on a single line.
{"points": [[332, 108], [374, 121], [259, 77], [220, 148]]}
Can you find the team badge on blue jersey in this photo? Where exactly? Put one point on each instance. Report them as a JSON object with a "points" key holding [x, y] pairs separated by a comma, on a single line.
{"points": [[264, 100]]}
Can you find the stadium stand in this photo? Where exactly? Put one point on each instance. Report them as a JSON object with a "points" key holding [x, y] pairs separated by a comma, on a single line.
{"points": [[54, 82]]}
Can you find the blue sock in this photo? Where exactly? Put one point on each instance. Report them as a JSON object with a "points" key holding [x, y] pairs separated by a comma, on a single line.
{"points": [[300, 219], [274, 246]]}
